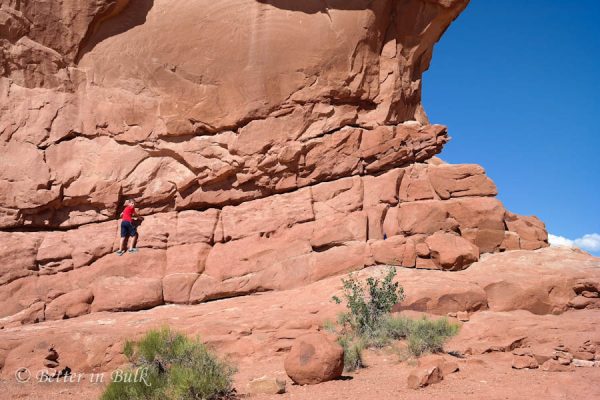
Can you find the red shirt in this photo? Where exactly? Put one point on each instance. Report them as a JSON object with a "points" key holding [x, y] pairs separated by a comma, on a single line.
{"points": [[127, 213]]}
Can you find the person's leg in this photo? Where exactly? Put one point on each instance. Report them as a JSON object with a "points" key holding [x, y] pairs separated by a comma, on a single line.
{"points": [[122, 245], [134, 239], [123, 241]]}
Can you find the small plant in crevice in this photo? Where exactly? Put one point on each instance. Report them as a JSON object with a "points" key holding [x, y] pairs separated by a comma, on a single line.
{"points": [[329, 326]]}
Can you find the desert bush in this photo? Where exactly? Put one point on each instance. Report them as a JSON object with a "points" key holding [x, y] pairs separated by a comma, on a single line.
{"points": [[397, 327], [353, 347], [177, 368], [428, 336], [422, 335], [365, 313], [368, 322]]}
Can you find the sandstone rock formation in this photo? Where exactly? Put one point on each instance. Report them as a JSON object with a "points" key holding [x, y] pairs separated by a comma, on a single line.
{"points": [[272, 146], [237, 107], [262, 159], [279, 242], [424, 376], [267, 324]]}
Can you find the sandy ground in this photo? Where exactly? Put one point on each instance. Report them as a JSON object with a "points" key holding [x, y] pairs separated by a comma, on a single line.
{"points": [[487, 377]]}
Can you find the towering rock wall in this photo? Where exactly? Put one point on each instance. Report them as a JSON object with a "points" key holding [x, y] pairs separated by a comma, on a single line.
{"points": [[269, 143], [193, 104]]}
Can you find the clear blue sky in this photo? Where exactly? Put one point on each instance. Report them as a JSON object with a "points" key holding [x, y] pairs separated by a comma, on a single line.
{"points": [[518, 84]]}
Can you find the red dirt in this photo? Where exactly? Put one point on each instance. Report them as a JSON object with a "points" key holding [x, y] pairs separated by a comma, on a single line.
{"points": [[489, 376]]}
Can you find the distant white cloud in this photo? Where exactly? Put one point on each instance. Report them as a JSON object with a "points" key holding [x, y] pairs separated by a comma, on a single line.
{"points": [[589, 242], [559, 241]]}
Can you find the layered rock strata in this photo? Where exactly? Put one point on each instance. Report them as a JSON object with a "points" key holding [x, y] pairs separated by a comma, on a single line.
{"points": [[261, 160], [405, 217], [515, 299], [233, 102]]}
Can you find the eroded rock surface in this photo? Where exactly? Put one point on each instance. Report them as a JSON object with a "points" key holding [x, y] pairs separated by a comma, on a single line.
{"points": [[274, 243], [272, 146], [266, 324], [262, 160], [237, 107]]}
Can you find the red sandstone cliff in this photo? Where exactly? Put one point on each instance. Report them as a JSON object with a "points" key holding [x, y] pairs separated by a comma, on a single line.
{"points": [[270, 144]]}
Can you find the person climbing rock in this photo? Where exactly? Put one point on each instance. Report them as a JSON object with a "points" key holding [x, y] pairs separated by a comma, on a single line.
{"points": [[128, 228]]}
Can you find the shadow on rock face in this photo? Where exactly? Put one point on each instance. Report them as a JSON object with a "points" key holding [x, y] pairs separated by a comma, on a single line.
{"points": [[121, 17], [318, 6]]}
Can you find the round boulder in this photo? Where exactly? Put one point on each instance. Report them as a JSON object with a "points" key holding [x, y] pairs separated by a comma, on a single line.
{"points": [[314, 358]]}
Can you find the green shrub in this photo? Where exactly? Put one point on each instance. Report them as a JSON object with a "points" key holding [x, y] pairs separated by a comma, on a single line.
{"points": [[353, 347], [368, 322], [329, 326], [388, 329], [176, 368], [423, 335], [364, 314], [397, 327], [427, 336]]}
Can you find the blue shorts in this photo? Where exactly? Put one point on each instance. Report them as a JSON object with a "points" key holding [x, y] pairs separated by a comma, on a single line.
{"points": [[127, 229]]}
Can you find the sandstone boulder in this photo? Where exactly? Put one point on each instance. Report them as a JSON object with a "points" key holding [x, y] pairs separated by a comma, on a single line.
{"points": [[18, 252], [460, 180], [524, 362], [396, 250], [451, 251], [176, 287], [415, 184], [314, 358], [445, 364], [424, 217], [424, 376], [555, 366], [531, 231], [266, 385], [187, 258]]}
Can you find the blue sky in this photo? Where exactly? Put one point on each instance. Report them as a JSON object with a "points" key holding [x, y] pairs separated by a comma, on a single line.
{"points": [[518, 84]]}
